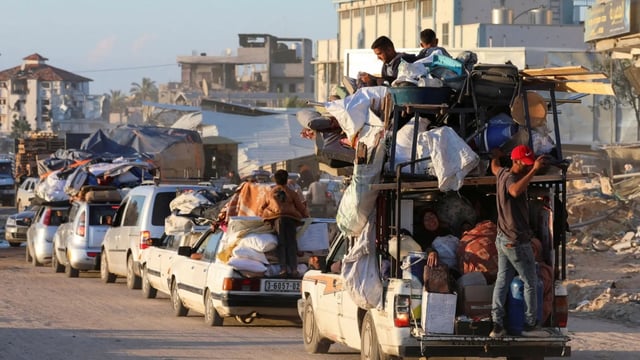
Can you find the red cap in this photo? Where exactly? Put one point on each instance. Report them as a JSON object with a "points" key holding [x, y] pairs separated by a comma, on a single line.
{"points": [[524, 154]]}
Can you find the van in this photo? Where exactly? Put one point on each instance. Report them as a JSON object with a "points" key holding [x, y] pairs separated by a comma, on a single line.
{"points": [[138, 223]]}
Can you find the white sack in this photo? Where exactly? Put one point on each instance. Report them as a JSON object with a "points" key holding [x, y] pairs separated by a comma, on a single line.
{"points": [[360, 270], [404, 142], [247, 265], [260, 242], [186, 202], [359, 199], [452, 158], [174, 224], [244, 252], [354, 111], [446, 246]]}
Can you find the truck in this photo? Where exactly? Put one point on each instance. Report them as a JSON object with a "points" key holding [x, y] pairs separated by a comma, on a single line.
{"points": [[371, 298], [7, 181]]}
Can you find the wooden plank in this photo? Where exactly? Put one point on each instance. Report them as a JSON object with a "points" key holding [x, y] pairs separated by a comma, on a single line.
{"points": [[595, 88], [555, 71], [579, 77]]}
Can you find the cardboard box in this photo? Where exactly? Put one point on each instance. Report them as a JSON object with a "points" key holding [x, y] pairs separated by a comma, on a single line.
{"points": [[476, 301], [438, 312]]}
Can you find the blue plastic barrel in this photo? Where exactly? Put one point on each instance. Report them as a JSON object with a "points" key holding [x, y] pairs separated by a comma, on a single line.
{"points": [[515, 305]]}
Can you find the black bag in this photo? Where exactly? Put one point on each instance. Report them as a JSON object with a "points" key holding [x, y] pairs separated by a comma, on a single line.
{"points": [[496, 85]]}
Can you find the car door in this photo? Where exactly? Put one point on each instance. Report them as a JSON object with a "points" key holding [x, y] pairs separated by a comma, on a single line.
{"points": [[329, 298], [129, 233], [192, 276], [158, 260]]}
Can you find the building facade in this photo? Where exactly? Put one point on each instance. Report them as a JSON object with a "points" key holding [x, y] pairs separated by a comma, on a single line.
{"points": [[265, 71], [460, 25], [46, 97]]}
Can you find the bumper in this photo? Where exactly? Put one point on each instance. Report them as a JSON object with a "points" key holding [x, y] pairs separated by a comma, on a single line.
{"points": [[80, 258], [42, 251], [15, 235], [264, 305], [483, 346]]}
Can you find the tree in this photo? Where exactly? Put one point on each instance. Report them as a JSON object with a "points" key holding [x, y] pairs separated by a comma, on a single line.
{"points": [[19, 128], [145, 91], [118, 101]]}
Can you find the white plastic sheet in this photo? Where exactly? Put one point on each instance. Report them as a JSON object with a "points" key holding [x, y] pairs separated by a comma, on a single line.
{"points": [[353, 112]]}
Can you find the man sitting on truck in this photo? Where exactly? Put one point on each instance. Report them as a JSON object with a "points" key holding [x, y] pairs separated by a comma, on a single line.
{"points": [[385, 51]]}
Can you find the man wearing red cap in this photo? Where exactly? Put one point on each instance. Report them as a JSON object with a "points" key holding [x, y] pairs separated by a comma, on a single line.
{"points": [[514, 236]]}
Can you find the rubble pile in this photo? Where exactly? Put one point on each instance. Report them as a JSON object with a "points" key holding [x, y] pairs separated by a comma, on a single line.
{"points": [[604, 253]]}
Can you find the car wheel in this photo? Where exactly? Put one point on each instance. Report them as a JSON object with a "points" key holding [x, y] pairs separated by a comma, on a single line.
{"points": [[211, 316], [133, 281], [27, 254], [14, 244], [178, 308], [55, 264], [148, 291], [34, 261], [314, 343], [105, 275], [369, 346]]}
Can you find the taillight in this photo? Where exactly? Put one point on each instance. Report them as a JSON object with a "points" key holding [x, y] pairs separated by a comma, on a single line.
{"points": [[145, 239], [232, 284], [402, 311], [46, 218], [92, 254], [560, 306]]}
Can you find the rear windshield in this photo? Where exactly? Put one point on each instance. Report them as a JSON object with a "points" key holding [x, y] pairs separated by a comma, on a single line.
{"points": [[161, 207], [102, 212]]}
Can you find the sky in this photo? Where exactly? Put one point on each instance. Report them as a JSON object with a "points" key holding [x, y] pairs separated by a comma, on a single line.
{"points": [[117, 42]]}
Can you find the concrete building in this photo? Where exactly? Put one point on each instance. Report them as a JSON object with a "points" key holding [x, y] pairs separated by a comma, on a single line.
{"points": [[48, 98], [460, 25], [266, 71]]}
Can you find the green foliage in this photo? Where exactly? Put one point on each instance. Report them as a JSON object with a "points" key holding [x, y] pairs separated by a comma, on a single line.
{"points": [[145, 91], [118, 101], [19, 128]]}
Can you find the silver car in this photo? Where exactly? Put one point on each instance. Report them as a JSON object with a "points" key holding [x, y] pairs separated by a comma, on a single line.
{"points": [[77, 243], [40, 233], [15, 229]]}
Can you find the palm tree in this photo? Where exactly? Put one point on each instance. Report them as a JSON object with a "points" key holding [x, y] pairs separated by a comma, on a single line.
{"points": [[147, 91], [118, 101]]}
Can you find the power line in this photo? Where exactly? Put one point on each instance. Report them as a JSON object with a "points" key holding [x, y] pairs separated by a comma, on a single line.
{"points": [[127, 68]]}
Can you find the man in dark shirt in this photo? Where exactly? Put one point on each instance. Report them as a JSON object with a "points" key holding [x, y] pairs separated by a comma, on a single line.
{"points": [[513, 241], [385, 51]]}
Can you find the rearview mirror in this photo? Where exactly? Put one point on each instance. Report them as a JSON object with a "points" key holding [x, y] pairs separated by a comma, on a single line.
{"points": [[184, 251]]}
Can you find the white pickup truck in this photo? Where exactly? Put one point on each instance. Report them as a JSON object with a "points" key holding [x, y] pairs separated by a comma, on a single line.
{"points": [[200, 281]]}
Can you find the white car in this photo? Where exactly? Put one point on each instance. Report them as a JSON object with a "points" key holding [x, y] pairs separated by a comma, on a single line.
{"points": [[203, 283], [25, 193], [138, 223], [157, 260]]}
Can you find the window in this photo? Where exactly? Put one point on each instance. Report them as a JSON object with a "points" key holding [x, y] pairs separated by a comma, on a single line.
{"points": [[444, 34], [132, 212], [161, 207], [426, 8], [292, 88], [45, 85], [207, 247], [98, 214], [382, 9], [397, 7]]}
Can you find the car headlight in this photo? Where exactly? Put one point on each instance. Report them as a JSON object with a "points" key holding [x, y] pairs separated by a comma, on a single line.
{"points": [[11, 221]]}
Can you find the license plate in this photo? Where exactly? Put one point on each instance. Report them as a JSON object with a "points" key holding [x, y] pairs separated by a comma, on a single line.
{"points": [[281, 286]]}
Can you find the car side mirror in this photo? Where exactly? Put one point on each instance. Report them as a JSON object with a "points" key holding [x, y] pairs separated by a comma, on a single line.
{"points": [[184, 251]]}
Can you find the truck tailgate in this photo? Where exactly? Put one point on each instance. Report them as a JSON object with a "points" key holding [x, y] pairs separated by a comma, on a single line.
{"points": [[483, 346]]}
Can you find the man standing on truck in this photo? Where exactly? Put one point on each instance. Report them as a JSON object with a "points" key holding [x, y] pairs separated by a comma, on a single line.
{"points": [[513, 240]]}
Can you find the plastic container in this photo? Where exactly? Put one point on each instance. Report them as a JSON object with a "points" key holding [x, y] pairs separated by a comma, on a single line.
{"points": [[495, 135], [515, 305], [403, 95], [413, 268]]}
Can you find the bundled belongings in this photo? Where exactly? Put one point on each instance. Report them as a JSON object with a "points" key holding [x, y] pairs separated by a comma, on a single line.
{"points": [[248, 245], [331, 147]]}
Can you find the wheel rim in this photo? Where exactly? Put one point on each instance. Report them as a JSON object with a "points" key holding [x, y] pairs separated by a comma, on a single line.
{"points": [[366, 340], [308, 326]]}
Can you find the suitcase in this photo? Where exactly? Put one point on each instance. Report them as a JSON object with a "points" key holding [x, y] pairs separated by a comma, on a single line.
{"points": [[496, 85]]}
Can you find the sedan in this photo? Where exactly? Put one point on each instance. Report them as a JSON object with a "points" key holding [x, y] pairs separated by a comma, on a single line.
{"points": [[15, 229]]}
